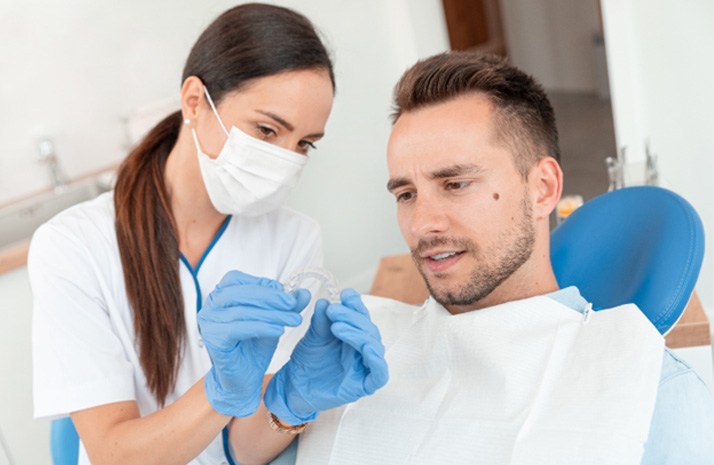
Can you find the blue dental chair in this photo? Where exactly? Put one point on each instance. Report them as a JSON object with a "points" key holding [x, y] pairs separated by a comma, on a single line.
{"points": [[642, 245]]}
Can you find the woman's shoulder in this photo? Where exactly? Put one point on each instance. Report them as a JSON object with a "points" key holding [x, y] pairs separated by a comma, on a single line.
{"points": [[87, 223]]}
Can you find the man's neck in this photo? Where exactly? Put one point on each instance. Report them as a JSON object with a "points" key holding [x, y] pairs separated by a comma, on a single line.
{"points": [[528, 281]]}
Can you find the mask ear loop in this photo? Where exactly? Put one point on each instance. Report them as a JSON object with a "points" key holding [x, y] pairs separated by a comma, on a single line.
{"points": [[215, 112]]}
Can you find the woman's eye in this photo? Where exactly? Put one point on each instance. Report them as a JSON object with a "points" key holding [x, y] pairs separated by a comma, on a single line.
{"points": [[265, 132], [305, 146]]}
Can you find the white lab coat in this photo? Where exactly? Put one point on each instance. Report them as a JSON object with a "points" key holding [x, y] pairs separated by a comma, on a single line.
{"points": [[84, 350]]}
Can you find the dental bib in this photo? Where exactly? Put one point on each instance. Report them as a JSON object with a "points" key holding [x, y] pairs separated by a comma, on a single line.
{"points": [[523, 383]]}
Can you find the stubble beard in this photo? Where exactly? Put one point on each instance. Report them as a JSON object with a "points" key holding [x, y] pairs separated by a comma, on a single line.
{"points": [[514, 249]]}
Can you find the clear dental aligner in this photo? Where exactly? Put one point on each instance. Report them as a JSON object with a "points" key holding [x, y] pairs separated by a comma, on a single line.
{"points": [[328, 282]]}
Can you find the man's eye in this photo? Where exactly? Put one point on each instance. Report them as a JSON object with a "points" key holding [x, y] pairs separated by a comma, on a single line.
{"points": [[405, 196], [457, 185]]}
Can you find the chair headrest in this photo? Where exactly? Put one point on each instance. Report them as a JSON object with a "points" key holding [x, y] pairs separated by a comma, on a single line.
{"points": [[642, 245]]}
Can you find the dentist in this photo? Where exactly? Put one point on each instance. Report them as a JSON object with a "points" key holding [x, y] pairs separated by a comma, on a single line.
{"points": [[143, 333]]}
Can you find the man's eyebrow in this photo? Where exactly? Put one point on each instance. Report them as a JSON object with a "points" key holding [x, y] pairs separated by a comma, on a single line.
{"points": [[441, 173], [396, 183], [456, 170], [283, 122]]}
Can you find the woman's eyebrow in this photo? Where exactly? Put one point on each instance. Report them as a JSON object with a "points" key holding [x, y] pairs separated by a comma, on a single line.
{"points": [[283, 122], [278, 119]]}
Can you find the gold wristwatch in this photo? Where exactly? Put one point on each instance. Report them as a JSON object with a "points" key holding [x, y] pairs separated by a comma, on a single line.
{"points": [[281, 427]]}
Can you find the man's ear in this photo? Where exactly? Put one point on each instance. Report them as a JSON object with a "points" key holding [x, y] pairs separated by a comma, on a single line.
{"points": [[546, 185], [191, 96]]}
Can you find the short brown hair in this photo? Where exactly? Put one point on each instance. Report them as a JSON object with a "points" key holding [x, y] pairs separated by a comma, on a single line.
{"points": [[525, 120]]}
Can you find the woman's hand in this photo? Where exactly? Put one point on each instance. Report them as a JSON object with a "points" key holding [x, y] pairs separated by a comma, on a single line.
{"points": [[240, 324], [339, 360]]}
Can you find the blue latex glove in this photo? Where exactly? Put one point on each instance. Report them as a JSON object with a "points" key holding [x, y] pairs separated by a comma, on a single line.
{"points": [[240, 324], [339, 360]]}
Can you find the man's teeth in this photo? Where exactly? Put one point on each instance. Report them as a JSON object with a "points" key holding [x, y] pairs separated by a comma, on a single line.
{"points": [[443, 256]]}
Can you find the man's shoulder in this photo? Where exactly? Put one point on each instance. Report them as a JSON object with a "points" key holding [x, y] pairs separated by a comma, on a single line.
{"points": [[674, 367], [682, 429], [681, 388]]}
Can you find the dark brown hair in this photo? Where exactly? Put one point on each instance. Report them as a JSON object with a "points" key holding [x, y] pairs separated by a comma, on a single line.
{"points": [[525, 120], [244, 43]]}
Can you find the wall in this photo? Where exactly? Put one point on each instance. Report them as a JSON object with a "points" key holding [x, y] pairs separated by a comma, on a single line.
{"points": [[27, 440], [74, 70], [344, 186], [661, 62], [553, 40]]}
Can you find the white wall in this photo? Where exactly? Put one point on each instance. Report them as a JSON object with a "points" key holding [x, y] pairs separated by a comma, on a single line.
{"points": [[344, 185], [553, 41], [661, 64], [27, 440], [74, 69]]}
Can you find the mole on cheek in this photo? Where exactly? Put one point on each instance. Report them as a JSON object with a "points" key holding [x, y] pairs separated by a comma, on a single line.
{"points": [[496, 196]]}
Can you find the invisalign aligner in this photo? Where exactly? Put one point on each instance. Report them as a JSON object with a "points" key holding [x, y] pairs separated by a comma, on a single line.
{"points": [[328, 282]]}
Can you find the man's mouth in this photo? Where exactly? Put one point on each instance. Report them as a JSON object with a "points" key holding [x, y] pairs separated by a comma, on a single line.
{"points": [[439, 257]]}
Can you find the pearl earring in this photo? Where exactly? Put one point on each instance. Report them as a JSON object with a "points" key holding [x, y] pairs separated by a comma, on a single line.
{"points": [[186, 121]]}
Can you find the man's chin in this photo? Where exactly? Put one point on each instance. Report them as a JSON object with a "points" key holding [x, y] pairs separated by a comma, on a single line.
{"points": [[454, 296], [442, 294], [445, 287]]}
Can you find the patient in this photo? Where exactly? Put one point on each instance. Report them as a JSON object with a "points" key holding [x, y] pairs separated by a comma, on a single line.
{"points": [[500, 366]]}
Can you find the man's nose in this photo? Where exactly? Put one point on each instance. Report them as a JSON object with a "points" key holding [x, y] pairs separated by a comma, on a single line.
{"points": [[428, 217]]}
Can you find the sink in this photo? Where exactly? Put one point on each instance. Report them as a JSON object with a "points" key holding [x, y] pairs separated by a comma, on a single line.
{"points": [[18, 221]]}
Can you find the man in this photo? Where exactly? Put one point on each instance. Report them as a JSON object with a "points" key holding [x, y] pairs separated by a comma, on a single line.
{"points": [[500, 366]]}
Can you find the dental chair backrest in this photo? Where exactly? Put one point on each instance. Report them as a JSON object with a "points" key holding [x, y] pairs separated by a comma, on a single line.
{"points": [[641, 245]]}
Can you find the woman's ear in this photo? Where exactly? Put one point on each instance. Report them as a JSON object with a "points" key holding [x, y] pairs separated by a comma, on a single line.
{"points": [[546, 183], [191, 96]]}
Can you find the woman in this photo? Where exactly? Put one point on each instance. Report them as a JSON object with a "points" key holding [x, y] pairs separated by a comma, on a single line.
{"points": [[118, 281]]}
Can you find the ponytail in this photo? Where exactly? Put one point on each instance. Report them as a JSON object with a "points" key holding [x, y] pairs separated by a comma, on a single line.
{"points": [[148, 246]]}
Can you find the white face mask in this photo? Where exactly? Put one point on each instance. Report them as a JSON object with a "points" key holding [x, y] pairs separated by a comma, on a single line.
{"points": [[250, 176]]}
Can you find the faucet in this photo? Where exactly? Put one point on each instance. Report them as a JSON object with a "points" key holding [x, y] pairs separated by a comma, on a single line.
{"points": [[616, 170], [651, 173], [48, 155]]}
